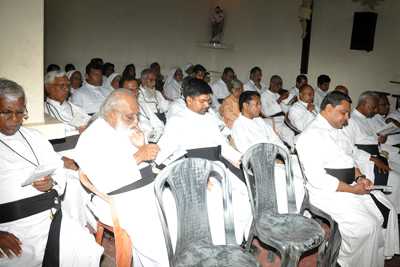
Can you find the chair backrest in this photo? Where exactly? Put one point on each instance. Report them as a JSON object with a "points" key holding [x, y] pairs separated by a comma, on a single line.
{"points": [[187, 179], [123, 244], [262, 159], [287, 120]]}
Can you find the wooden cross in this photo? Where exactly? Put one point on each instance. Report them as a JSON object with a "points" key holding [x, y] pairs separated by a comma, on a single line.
{"points": [[305, 51]]}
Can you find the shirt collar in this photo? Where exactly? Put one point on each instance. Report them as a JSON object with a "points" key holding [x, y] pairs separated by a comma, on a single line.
{"points": [[55, 103], [358, 114], [324, 123]]}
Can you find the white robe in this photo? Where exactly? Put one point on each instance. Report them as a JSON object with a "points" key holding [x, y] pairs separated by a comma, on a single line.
{"points": [[319, 96], [33, 230], [271, 107], [191, 131], [299, 116], [361, 132], [180, 104], [148, 121], [159, 102], [250, 86], [364, 242], [90, 97], [110, 166], [295, 91], [247, 133], [395, 114], [75, 195], [220, 91]]}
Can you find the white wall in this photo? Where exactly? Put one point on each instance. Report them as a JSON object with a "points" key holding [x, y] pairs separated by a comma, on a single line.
{"points": [[265, 33], [21, 46]]}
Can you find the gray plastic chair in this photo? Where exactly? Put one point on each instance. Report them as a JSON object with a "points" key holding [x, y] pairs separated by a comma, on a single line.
{"points": [[332, 247], [291, 233], [188, 182]]}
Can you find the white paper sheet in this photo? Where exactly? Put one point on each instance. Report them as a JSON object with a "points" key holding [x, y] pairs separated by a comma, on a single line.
{"points": [[79, 119], [389, 128], [39, 172]]}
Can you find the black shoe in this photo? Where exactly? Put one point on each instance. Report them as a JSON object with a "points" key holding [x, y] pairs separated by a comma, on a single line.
{"points": [[254, 250]]}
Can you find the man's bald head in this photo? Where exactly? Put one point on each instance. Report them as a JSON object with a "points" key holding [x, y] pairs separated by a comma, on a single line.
{"points": [[342, 89], [120, 110]]}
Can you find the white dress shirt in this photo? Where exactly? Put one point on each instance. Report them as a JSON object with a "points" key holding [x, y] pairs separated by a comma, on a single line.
{"points": [[157, 104], [249, 85], [90, 97], [220, 91], [319, 96], [295, 91], [269, 105], [299, 116]]}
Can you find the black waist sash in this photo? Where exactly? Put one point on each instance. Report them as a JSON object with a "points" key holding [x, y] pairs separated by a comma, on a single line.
{"points": [[147, 178], [65, 143], [380, 178], [344, 175], [33, 205], [278, 114], [214, 154], [220, 100]]}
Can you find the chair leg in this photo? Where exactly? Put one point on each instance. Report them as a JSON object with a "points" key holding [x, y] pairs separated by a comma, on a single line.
{"points": [[321, 254], [290, 259], [249, 240], [271, 255], [99, 234]]}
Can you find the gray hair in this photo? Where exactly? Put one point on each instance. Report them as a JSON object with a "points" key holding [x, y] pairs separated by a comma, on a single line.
{"points": [[276, 78], [49, 77], [11, 91], [145, 72], [112, 102], [234, 85], [367, 95]]}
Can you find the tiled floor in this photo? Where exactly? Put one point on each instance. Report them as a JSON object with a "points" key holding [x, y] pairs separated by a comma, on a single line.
{"points": [[307, 260]]}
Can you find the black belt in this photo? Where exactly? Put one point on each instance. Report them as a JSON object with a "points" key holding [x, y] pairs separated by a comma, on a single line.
{"points": [[162, 117], [147, 178], [344, 175], [380, 178], [63, 144], [220, 100], [214, 154], [347, 176], [278, 114], [33, 205], [398, 145]]}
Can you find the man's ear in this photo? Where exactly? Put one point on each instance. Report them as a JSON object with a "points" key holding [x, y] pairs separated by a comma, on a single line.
{"points": [[245, 105], [47, 88], [189, 100], [87, 76]]}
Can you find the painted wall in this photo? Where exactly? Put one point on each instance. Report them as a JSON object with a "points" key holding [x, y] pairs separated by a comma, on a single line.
{"points": [[265, 33], [21, 46]]}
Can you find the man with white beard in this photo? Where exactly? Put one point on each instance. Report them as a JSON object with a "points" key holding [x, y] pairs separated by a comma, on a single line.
{"points": [[119, 167], [194, 129], [154, 99]]}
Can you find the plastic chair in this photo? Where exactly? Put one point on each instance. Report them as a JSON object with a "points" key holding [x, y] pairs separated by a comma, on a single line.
{"points": [[334, 241], [289, 124], [123, 244], [291, 233], [187, 179]]}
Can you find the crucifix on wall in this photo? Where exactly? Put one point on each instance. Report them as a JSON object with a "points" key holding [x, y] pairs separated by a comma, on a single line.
{"points": [[305, 19]]}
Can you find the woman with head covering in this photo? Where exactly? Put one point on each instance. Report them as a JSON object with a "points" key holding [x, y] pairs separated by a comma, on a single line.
{"points": [[75, 78], [187, 69], [129, 70], [229, 108], [113, 81], [160, 78], [172, 87]]}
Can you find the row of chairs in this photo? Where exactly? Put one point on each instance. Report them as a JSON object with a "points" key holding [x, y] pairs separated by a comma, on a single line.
{"points": [[291, 234]]}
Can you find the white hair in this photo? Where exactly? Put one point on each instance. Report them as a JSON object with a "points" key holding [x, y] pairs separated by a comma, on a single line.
{"points": [[367, 95], [112, 102], [49, 77], [11, 91]]}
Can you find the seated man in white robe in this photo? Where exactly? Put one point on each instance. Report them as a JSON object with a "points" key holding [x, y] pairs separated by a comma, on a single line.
{"points": [[220, 88], [364, 137], [34, 231], [154, 99], [272, 106], [367, 222], [249, 129], [114, 168], [300, 80], [342, 89], [57, 106], [394, 116], [254, 82], [195, 130], [91, 94], [148, 121], [180, 104], [303, 111], [321, 90]]}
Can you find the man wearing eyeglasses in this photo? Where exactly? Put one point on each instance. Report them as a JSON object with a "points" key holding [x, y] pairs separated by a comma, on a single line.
{"points": [[364, 136], [91, 94], [272, 106], [57, 106], [154, 99], [194, 129], [34, 229]]}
